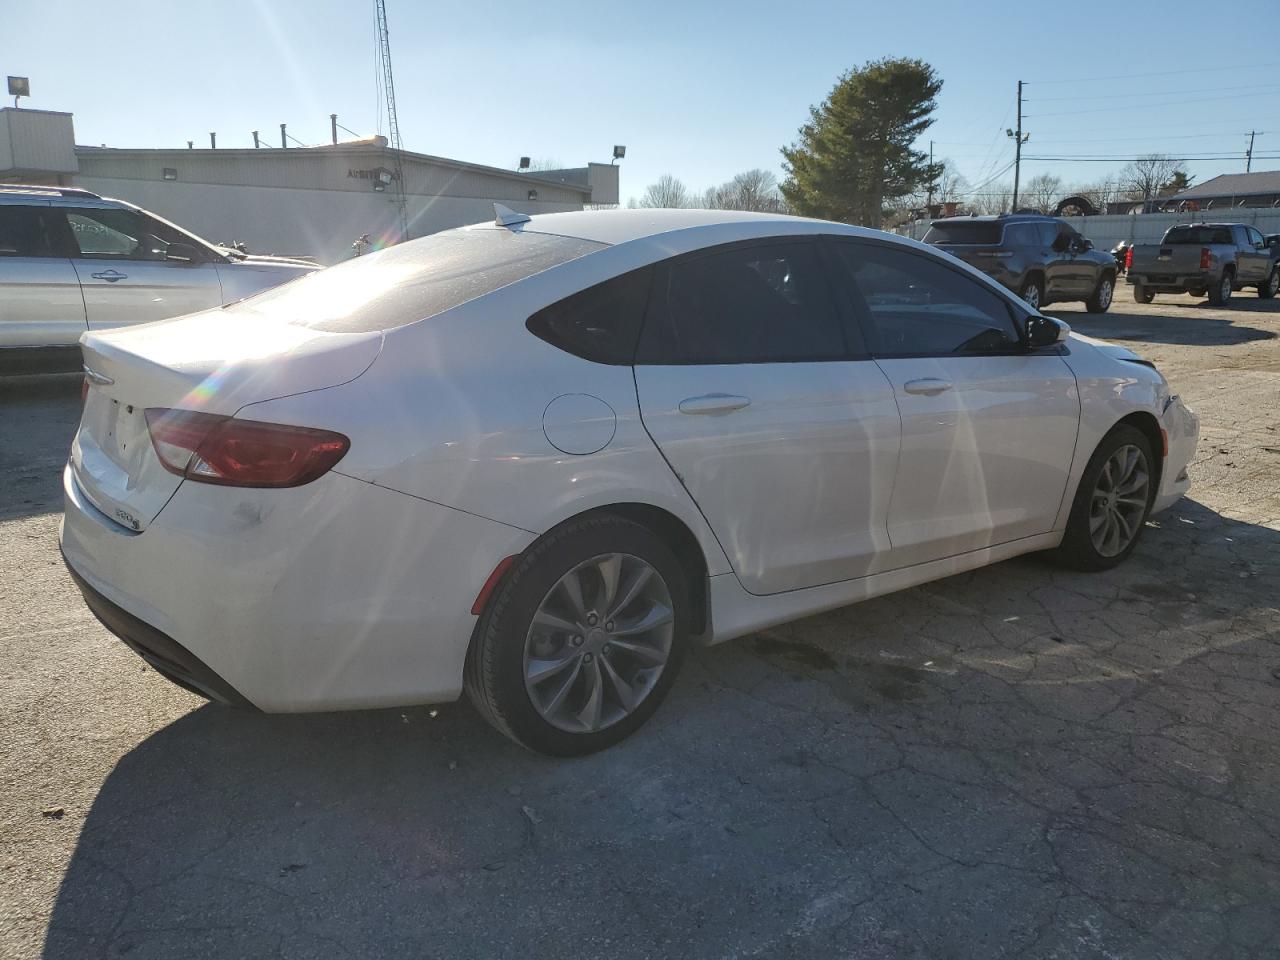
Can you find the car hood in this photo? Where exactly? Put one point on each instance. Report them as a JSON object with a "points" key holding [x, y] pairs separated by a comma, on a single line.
{"points": [[1113, 350], [266, 260]]}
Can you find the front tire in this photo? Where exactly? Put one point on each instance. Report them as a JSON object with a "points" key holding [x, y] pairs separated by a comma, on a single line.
{"points": [[1269, 289], [583, 638], [1100, 300], [1112, 502], [1033, 292], [1142, 295], [1220, 293]]}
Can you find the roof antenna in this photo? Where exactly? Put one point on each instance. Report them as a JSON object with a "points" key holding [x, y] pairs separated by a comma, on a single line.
{"points": [[506, 217]]}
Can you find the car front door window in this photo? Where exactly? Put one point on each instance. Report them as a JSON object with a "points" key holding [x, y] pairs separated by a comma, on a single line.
{"points": [[920, 307]]}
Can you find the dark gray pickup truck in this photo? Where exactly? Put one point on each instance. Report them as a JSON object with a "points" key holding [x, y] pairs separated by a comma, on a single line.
{"points": [[1203, 258]]}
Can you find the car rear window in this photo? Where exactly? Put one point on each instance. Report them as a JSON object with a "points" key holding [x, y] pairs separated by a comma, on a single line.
{"points": [[1198, 234], [981, 232], [414, 280]]}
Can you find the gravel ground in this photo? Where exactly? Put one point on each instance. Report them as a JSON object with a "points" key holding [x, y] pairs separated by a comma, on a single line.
{"points": [[1016, 762]]}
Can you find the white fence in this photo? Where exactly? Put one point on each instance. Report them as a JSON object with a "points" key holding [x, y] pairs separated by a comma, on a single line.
{"points": [[1108, 230]]}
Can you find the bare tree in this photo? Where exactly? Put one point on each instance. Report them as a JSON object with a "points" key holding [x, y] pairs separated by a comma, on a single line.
{"points": [[1042, 192], [751, 190], [951, 185], [991, 199], [1147, 176], [667, 191]]}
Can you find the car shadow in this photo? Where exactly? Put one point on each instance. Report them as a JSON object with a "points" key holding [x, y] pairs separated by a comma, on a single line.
{"points": [[38, 418], [1168, 328], [406, 833]]}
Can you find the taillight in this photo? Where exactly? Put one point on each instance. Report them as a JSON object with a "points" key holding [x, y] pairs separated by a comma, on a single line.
{"points": [[1128, 258], [241, 453], [1205, 255]]}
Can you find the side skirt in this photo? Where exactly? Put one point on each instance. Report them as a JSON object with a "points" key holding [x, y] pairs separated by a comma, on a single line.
{"points": [[735, 613]]}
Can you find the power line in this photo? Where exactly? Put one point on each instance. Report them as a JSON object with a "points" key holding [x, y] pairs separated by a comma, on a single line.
{"points": [[1163, 73], [1233, 156], [1155, 93], [1144, 106]]}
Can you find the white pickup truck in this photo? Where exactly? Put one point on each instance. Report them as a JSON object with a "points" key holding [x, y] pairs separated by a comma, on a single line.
{"points": [[72, 261], [1203, 258]]}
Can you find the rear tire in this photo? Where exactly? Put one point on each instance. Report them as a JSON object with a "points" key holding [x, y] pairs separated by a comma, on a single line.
{"points": [[1269, 289], [1220, 292], [1142, 295], [507, 665], [1104, 503], [1100, 300]]}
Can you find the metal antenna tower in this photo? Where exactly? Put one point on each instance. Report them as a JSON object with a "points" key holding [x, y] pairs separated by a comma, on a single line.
{"points": [[393, 125]]}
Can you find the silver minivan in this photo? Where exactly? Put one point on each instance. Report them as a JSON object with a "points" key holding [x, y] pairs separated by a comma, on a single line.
{"points": [[72, 261]]}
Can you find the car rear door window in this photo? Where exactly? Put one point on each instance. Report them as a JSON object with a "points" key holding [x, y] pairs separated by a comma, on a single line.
{"points": [[600, 323], [24, 232], [760, 303], [917, 306]]}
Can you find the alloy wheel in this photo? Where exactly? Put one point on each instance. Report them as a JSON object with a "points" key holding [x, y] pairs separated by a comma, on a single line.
{"points": [[1225, 288], [1273, 283], [1031, 294], [598, 643], [1119, 502], [1105, 292]]}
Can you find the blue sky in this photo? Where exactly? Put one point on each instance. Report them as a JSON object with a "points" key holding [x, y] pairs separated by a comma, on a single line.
{"points": [[698, 89]]}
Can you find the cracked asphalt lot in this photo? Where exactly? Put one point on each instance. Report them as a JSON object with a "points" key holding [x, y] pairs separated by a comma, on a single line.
{"points": [[1016, 762]]}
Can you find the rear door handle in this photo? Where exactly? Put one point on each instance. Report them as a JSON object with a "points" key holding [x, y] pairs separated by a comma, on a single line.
{"points": [[713, 403], [928, 386], [111, 276]]}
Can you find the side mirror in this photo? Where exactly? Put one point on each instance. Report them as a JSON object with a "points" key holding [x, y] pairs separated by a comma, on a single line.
{"points": [[182, 253], [1086, 244], [1044, 332]]}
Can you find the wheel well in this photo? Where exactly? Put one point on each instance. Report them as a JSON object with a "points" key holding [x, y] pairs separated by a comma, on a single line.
{"points": [[1037, 275], [1150, 428], [677, 535]]}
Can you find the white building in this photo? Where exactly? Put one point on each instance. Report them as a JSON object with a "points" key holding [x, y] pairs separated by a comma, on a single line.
{"points": [[300, 201]]}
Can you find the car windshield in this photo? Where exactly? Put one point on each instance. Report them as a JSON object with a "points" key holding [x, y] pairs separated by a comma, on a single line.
{"points": [[414, 280], [979, 232], [1198, 234]]}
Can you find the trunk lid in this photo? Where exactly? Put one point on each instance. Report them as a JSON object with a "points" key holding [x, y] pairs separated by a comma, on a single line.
{"points": [[215, 362]]}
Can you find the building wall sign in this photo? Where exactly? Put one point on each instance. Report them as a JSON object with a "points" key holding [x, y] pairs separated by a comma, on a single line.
{"points": [[381, 174]]}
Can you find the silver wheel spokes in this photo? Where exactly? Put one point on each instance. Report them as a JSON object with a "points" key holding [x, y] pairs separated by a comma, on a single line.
{"points": [[1032, 295], [598, 642], [1119, 502], [1104, 295]]}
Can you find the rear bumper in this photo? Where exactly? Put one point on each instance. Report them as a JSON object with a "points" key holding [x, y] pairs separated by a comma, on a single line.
{"points": [[1169, 282], [335, 595], [169, 658]]}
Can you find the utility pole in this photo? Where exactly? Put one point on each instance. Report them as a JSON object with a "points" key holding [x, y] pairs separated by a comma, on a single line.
{"points": [[1248, 154], [393, 122], [1018, 140]]}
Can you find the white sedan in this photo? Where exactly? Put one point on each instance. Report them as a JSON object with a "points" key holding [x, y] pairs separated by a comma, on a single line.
{"points": [[537, 459]]}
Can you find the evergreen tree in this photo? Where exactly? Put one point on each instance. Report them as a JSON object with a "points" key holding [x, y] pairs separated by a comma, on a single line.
{"points": [[855, 154]]}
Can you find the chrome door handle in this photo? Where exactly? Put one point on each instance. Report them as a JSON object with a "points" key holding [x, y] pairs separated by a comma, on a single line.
{"points": [[929, 386], [713, 403], [111, 276]]}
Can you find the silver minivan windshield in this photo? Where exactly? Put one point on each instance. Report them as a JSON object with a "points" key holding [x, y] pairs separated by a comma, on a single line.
{"points": [[414, 280]]}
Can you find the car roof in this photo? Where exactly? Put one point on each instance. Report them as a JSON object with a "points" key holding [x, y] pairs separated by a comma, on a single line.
{"points": [[994, 218], [623, 226]]}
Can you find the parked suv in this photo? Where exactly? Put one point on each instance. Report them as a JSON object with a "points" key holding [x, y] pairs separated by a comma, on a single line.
{"points": [[1041, 259], [72, 261]]}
